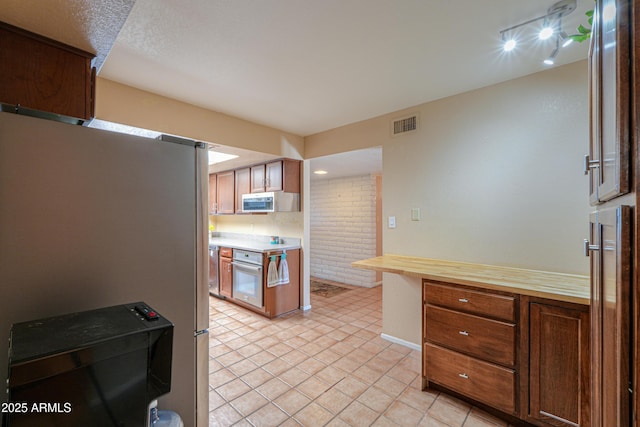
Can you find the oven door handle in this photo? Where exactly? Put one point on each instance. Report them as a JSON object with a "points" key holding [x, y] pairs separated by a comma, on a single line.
{"points": [[248, 266]]}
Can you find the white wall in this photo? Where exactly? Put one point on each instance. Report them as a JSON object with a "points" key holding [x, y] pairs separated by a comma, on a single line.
{"points": [[497, 174], [289, 224], [343, 220]]}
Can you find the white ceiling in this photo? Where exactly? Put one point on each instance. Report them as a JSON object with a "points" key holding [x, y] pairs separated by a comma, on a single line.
{"points": [[303, 66], [352, 163]]}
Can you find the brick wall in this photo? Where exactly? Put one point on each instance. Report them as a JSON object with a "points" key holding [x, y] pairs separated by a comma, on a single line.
{"points": [[343, 221]]}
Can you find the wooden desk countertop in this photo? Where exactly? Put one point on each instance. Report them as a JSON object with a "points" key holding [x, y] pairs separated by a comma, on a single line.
{"points": [[556, 286]]}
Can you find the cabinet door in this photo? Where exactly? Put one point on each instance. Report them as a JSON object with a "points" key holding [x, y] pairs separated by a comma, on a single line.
{"points": [[610, 316], [213, 194], [610, 96], [226, 192], [559, 364], [243, 184], [258, 179], [592, 162], [45, 75], [226, 277], [274, 176]]}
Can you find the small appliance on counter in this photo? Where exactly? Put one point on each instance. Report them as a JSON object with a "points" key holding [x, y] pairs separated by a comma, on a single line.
{"points": [[101, 367]]}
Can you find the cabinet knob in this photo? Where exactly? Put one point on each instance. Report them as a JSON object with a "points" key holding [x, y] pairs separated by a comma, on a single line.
{"points": [[465, 333], [463, 300], [465, 376]]}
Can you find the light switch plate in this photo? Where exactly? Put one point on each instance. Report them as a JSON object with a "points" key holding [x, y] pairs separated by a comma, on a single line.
{"points": [[415, 214], [392, 222]]}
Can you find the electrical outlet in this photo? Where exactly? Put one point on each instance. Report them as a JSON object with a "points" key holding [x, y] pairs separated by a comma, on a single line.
{"points": [[392, 222], [415, 214]]}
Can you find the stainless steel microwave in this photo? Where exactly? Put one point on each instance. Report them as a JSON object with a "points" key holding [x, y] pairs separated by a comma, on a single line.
{"points": [[271, 202]]}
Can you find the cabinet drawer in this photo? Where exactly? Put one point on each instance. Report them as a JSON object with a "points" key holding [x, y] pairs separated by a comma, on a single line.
{"points": [[226, 252], [486, 339], [471, 301], [482, 381]]}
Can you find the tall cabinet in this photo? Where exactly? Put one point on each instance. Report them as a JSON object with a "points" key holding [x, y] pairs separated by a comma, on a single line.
{"points": [[613, 243]]}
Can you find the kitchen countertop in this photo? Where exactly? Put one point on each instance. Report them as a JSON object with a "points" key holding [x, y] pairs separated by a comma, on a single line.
{"points": [[557, 286], [251, 245]]}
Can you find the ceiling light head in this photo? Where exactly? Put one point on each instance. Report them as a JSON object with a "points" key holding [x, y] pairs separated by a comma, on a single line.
{"points": [[566, 40], [509, 45], [552, 58], [545, 33], [320, 172]]}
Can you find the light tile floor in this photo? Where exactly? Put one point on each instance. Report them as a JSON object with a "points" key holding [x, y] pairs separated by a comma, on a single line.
{"points": [[327, 366]]}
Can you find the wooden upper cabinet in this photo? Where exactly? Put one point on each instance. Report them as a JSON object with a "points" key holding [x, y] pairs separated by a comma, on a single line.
{"points": [[243, 184], [41, 74], [281, 175], [258, 179], [274, 172], [226, 188], [213, 194], [226, 195], [559, 367], [609, 63]]}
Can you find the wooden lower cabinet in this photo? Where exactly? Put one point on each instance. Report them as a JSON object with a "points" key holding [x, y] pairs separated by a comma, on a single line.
{"points": [[559, 369], [278, 299], [485, 382], [284, 298], [226, 272], [520, 357]]}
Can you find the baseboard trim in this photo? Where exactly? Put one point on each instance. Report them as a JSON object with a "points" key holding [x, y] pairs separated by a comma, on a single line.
{"points": [[400, 341]]}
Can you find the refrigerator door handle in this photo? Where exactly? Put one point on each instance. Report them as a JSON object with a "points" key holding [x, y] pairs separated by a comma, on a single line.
{"points": [[200, 332]]}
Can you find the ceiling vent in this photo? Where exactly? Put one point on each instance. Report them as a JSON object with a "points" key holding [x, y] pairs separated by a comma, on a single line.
{"points": [[404, 125]]}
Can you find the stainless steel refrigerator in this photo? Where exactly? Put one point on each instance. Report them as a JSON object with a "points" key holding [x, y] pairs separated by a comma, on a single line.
{"points": [[91, 218]]}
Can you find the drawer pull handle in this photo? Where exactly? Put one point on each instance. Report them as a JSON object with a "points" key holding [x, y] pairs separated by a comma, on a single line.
{"points": [[465, 333], [464, 300], [465, 376]]}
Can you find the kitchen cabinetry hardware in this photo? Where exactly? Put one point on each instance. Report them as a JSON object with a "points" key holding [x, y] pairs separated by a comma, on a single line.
{"points": [[465, 376], [465, 333], [200, 332], [590, 164], [588, 247], [463, 300]]}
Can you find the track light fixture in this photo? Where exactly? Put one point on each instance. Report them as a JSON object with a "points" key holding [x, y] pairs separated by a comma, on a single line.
{"points": [[508, 44], [552, 27], [566, 40], [546, 32], [552, 58]]}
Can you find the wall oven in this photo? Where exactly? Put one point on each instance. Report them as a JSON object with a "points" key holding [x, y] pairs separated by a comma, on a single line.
{"points": [[247, 277]]}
